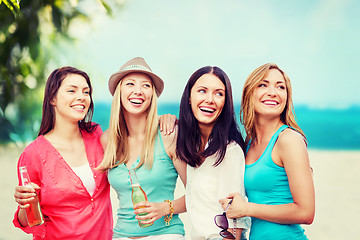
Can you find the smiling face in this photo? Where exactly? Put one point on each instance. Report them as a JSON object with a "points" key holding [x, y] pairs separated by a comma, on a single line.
{"points": [[72, 100], [207, 99], [136, 92], [270, 95]]}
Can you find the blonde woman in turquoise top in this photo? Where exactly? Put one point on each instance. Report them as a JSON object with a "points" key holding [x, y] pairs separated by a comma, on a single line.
{"points": [[133, 141], [278, 177]]}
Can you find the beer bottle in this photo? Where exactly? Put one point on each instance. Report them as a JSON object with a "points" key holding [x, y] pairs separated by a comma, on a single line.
{"points": [[137, 194], [33, 213]]}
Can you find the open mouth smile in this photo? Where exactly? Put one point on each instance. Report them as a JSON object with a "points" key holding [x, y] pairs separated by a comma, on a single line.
{"points": [[270, 102], [136, 101], [78, 107], [207, 109]]}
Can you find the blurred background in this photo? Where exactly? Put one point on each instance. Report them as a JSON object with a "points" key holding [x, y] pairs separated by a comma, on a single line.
{"points": [[315, 42]]}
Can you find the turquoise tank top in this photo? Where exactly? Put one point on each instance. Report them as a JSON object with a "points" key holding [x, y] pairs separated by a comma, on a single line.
{"points": [[267, 183], [158, 183]]}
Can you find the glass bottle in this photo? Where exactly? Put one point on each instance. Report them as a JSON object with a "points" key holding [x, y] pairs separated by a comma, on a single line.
{"points": [[33, 213], [137, 194]]}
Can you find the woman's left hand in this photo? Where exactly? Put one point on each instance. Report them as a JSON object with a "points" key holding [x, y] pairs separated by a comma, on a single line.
{"points": [[167, 123], [154, 210], [238, 206]]}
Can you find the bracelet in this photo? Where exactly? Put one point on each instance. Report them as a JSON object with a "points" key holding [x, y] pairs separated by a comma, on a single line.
{"points": [[234, 229], [167, 218]]}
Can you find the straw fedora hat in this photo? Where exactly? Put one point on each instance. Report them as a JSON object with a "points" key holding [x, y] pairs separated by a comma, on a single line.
{"points": [[135, 65]]}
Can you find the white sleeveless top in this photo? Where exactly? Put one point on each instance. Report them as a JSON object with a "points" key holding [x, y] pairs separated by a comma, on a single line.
{"points": [[86, 176]]}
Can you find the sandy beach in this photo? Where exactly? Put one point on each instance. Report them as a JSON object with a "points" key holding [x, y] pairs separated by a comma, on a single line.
{"points": [[336, 177]]}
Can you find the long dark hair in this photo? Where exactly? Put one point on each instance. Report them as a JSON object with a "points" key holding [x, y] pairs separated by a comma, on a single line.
{"points": [[224, 130], [53, 84]]}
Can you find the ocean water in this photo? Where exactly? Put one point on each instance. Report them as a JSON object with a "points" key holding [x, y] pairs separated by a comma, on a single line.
{"points": [[328, 129]]}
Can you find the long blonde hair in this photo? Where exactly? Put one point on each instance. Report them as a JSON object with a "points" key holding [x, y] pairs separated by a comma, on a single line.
{"points": [[117, 151], [247, 111]]}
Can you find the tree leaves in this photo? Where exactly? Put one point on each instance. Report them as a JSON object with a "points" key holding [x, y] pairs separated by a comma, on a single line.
{"points": [[24, 57], [13, 5], [106, 6]]}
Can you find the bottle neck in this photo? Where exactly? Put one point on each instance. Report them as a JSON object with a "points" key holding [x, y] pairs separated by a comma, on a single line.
{"points": [[133, 178]]}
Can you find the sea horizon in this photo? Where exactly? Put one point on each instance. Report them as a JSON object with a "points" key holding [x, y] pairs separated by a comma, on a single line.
{"points": [[325, 128]]}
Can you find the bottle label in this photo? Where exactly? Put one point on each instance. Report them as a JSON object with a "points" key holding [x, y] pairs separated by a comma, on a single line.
{"points": [[25, 180]]}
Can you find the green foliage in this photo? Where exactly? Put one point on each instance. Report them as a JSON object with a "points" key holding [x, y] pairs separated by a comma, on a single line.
{"points": [[107, 7], [13, 6], [21, 65], [24, 54]]}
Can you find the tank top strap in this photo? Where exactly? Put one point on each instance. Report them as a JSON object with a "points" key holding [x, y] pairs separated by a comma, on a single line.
{"points": [[274, 138], [272, 141], [159, 144], [247, 147]]}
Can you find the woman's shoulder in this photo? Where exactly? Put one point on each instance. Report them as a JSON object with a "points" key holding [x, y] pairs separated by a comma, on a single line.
{"points": [[290, 138], [169, 141], [36, 145], [290, 134], [290, 148], [96, 131], [35, 150], [233, 148]]}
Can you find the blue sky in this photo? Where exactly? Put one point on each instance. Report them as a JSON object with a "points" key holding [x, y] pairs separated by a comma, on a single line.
{"points": [[315, 42]]}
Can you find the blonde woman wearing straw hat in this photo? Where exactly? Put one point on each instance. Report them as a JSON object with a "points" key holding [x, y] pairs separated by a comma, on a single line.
{"points": [[133, 141]]}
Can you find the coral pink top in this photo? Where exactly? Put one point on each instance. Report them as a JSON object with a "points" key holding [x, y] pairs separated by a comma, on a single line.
{"points": [[70, 212]]}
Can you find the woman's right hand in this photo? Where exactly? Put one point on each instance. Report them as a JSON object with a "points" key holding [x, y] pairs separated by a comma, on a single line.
{"points": [[154, 211], [238, 207], [25, 194]]}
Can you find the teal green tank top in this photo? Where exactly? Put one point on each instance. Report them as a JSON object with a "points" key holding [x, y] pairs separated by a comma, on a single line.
{"points": [[267, 183], [158, 183]]}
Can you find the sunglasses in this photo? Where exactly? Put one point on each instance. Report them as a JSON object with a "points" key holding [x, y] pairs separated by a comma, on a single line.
{"points": [[222, 222]]}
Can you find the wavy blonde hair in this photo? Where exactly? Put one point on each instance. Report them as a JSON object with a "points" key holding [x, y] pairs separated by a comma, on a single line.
{"points": [[247, 111], [117, 151]]}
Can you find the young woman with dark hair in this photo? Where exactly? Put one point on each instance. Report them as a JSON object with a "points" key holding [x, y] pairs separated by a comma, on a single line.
{"points": [[210, 142], [74, 198], [224, 129], [52, 86]]}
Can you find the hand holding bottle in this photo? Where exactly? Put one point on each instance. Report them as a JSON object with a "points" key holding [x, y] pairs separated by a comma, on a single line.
{"points": [[154, 211], [137, 196], [25, 194]]}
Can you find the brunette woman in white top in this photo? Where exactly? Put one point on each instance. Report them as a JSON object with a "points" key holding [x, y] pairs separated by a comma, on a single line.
{"points": [[210, 142]]}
